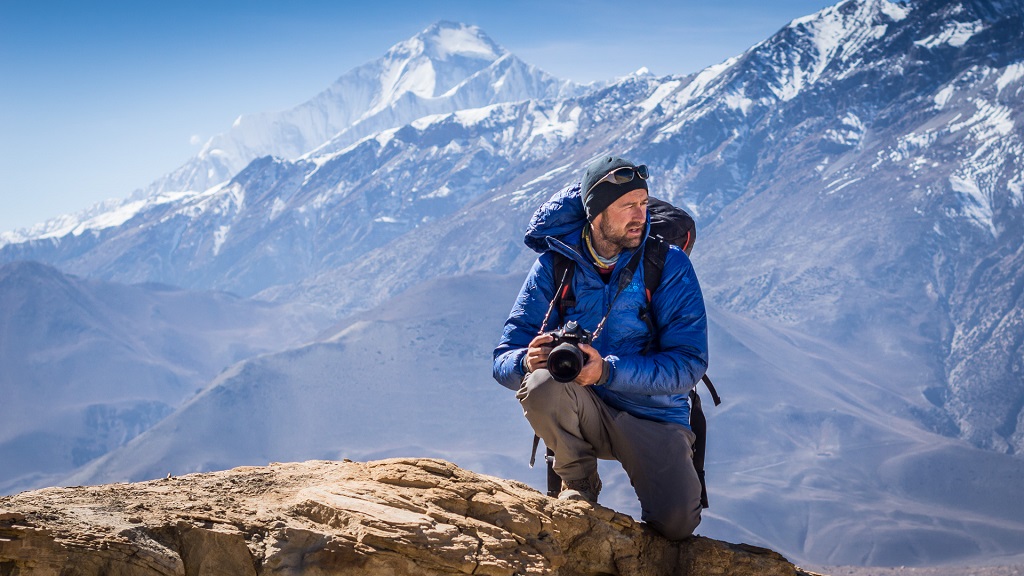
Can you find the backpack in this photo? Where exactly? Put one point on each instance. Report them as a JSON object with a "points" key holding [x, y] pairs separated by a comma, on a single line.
{"points": [[669, 225]]}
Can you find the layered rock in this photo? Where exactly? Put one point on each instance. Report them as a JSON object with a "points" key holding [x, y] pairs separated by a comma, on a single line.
{"points": [[399, 516]]}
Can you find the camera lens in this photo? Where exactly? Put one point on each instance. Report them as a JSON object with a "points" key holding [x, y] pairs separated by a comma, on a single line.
{"points": [[565, 362]]}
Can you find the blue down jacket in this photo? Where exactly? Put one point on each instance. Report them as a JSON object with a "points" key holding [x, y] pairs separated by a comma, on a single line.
{"points": [[653, 387]]}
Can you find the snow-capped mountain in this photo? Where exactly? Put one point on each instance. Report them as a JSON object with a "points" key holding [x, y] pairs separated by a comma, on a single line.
{"points": [[856, 179], [909, 227], [88, 365], [444, 68], [279, 222]]}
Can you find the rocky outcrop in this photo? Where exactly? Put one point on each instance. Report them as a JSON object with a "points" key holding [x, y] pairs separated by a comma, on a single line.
{"points": [[399, 516]]}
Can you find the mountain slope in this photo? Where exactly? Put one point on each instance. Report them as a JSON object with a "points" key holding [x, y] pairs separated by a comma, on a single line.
{"points": [[88, 365], [414, 375]]}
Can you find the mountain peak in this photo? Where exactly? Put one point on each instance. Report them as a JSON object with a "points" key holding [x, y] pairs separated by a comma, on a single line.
{"points": [[433, 61], [444, 40]]}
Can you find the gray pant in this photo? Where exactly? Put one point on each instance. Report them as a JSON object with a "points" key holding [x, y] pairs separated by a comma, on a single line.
{"points": [[580, 428]]}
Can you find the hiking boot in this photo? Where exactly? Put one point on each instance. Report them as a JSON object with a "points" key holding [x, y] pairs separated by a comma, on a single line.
{"points": [[584, 489]]}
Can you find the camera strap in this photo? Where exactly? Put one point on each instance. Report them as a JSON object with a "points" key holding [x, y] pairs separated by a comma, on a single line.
{"points": [[559, 298], [625, 277]]}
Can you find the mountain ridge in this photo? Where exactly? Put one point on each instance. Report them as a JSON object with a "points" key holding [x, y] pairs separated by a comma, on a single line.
{"points": [[156, 346], [446, 67]]}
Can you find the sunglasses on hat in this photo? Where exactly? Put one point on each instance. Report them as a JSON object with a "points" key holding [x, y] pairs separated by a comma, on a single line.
{"points": [[623, 175]]}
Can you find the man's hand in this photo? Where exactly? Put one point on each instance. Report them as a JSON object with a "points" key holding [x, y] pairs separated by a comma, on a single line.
{"points": [[537, 352], [592, 369]]}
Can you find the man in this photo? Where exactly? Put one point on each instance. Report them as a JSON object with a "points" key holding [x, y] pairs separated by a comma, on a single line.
{"points": [[624, 405]]}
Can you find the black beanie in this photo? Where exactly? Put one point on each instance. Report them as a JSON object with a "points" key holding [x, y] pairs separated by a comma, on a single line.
{"points": [[605, 193]]}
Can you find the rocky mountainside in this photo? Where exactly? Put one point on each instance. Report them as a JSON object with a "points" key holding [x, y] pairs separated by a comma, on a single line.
{"points": [[400, 516], [908, 226]]}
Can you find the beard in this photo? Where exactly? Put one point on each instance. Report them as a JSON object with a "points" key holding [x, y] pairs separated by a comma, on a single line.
{"points": [[621, 238]]}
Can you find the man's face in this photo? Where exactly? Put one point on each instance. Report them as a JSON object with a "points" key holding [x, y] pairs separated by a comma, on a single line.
{"points": [[622, 223]]}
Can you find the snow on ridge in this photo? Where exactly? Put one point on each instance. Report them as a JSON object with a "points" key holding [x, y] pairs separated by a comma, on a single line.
{"points": [[850, 134], [737, 101], [425, 122], [418, 77], [1016, 187], [976, 204], [319, 157], [409, 66], [474, 116], [549, 123], [704, 79], [955, 34], [819, 40], [219, 237], [995, 146], [524, 192], [466, 117], [113, 213], [895, 11], [942, 96], [659, 94], [419, 65], [415, 75], [463, 41], [989, 121], [108, 214], [495, 86], [1011, 74], [835, 34], [688, 96]]}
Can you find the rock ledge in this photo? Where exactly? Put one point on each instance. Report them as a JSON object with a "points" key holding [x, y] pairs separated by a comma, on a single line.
{"points": [[400, 516]]}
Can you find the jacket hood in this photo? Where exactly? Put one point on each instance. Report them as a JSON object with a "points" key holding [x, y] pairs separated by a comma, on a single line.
{"points": [[563, 214]]}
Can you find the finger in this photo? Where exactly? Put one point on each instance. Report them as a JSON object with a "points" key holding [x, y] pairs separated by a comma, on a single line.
{"points": [[536, 358], [540, 340], [590, 351]]}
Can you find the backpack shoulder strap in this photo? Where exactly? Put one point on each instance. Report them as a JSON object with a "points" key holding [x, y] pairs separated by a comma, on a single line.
{"points": [[711, 388], [699, 426], [655, 253]]}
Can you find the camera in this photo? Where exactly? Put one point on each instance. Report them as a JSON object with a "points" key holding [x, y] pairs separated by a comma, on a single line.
{"points": [[566, 359]]}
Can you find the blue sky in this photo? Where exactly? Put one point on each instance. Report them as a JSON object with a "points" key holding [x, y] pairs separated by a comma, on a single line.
{"points": [[100, 98]]}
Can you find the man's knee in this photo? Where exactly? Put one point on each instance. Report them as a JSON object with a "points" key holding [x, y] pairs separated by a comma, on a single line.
{"points": [[540, 390], [678, 524]]}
